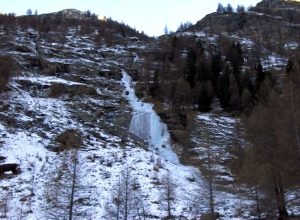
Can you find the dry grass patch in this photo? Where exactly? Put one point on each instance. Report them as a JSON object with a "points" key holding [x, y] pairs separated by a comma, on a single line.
{"points": [[68, 139]]}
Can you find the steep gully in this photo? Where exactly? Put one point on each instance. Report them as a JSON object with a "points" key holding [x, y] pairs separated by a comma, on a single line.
{"points": [[147, 125]]}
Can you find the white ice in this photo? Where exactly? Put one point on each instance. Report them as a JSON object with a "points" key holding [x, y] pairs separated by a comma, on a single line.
{"points": [[146, 124]]}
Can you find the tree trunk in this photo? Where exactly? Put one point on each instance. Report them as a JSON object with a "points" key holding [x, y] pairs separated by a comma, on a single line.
{"points": [[280, 199], [119, 199], [210, 179], [126, 198], [169, 200], [294, 115], [73, 187], [257, 203], [127, 192]]}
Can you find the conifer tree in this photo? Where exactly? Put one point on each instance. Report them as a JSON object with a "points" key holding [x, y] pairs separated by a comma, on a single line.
{"points": [[220, 8], [234, 102], [190, 67], [29, 12], [203, 93], [229, 8], [240, 9], [223, 86], [260, 76], [235, 57], [216, 67]]}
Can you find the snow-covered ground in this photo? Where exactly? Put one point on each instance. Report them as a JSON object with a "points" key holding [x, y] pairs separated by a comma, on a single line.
{"points": [[274, 61], [42, 189], [214, 134], [118, 132]]}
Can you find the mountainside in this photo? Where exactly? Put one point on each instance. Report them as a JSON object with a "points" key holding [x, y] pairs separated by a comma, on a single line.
{"points": [[65, 119], [99, 121], [271, 28], [226, 66]]}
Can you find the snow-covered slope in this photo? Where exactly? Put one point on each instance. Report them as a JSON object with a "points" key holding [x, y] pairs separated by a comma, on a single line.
{"points": [[85, 96], [72, 121], [86, 92]]}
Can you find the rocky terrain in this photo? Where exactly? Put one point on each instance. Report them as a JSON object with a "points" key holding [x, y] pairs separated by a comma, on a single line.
{"points": [[84, 135], [65, 121]]}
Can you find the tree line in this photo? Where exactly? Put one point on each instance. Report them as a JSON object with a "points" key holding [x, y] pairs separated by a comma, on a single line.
{"points": [[230, 9], [189, 75], [105, 31]]}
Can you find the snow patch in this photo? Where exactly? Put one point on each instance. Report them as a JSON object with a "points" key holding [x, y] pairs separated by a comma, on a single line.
{"points": [[291, 46], [47, 80], [274, 61]]}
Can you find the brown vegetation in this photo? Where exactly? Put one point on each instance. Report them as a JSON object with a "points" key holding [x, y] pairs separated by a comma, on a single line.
{"points": [[59, 89], [7, 69], [68, 139], [270, 163]]}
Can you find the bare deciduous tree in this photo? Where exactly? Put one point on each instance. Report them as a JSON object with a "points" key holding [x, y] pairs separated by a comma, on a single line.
{"points": [[271, 157], [168, 194], [127, 199], [61, 188]]}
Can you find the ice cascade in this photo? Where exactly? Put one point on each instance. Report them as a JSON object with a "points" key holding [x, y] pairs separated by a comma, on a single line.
{"points": [[147, 125]]}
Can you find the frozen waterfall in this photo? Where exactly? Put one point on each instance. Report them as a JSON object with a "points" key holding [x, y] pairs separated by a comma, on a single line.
{"points": [[147, 125]]}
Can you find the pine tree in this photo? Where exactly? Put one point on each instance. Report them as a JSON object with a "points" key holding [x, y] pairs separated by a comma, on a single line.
{"points": [[235, 57], [235, 101], [292, 94], [262, 84], [190, 67], [229, 8], [240, 9], [29, 12], [216, 67], [246, 99], [220, 8], [223, 86], [174, 49], [182, 94], [203, 94], [166, 30], [203, 71]]}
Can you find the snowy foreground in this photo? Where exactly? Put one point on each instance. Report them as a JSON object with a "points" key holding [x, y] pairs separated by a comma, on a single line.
{"points": [[100, 165]]}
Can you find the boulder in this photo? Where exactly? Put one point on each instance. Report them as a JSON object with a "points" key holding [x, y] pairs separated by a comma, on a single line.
{"points": [[13, 167]]}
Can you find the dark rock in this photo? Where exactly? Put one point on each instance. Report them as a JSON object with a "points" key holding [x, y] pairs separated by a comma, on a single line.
{"points": [[2, 158], [13, 167], [191, 178]]}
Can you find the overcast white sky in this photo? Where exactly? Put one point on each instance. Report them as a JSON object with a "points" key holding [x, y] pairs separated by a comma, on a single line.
{"points": [[150, 16]]}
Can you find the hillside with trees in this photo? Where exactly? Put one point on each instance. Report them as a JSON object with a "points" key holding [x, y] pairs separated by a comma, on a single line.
{"points": [[100, 121]]}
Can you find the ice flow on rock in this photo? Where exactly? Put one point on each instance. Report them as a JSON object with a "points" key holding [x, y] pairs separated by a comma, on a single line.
{"points": [[147, 125]]}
